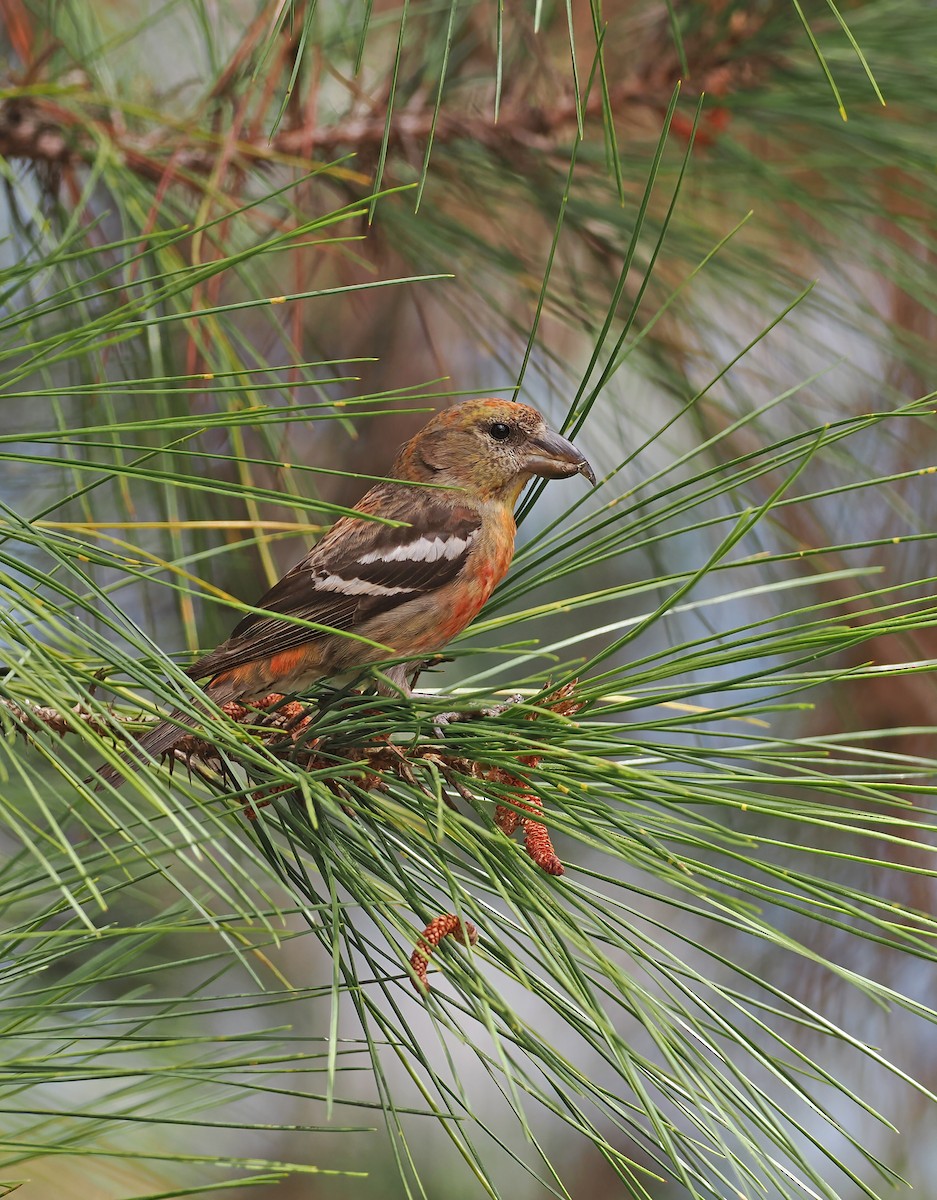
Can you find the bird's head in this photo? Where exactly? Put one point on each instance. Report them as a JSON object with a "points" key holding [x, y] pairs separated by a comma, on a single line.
{"points": [[491, 448]]}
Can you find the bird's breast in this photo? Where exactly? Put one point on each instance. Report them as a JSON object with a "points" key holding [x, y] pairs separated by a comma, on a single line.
{"points": [[486, 568]]}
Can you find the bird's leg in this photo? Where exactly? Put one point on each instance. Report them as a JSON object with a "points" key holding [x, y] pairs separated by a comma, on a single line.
{"points": [[415, 669], [405, 675]]}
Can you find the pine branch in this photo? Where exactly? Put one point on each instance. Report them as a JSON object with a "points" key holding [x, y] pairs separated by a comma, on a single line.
{"points": [[47, 132]]}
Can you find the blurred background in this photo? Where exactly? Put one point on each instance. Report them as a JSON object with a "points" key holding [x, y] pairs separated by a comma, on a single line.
{"points": [[692, 233]]}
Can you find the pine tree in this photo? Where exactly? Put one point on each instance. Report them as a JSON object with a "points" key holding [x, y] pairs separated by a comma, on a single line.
{"points": [[247, 249]]}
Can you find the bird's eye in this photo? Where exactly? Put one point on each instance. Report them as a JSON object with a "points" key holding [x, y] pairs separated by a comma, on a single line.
{"points": [[499, 431]]}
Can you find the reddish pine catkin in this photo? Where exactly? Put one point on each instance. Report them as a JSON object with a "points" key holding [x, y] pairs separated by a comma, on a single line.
{"points": [[448, 925]]}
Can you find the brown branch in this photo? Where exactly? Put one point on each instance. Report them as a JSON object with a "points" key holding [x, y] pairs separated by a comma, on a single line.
{"points": [[726, 56], [280, 721], [44, 131], [521, 125], [38, 130], [35, 717], [28, 131]]}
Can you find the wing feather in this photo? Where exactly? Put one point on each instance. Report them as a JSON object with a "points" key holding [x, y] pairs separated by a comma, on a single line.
{"points": [[358, 570]]}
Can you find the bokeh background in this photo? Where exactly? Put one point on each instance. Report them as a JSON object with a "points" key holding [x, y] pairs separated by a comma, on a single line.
{"points": [[696, 233]]}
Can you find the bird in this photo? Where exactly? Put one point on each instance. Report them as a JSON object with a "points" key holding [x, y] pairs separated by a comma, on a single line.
{"points": [[404, 584]]}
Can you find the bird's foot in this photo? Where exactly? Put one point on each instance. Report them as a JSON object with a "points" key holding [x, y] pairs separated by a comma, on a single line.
{"points": [[441, 720]]}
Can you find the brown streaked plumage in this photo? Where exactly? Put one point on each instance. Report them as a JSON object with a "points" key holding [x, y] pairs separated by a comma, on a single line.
{"points": [[401, 590]]}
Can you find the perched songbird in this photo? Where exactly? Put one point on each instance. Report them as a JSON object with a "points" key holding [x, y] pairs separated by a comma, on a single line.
{"points": [[408, 588]]}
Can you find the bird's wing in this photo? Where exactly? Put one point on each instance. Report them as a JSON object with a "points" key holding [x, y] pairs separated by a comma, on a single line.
{"points": [[359, 569]]}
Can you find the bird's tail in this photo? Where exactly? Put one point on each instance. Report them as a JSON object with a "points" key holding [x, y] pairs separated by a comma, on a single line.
{"points": [[153, 744]]}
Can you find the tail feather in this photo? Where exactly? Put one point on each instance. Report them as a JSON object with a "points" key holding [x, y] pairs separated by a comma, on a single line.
{"points": [[153, 744], [162, 737]]}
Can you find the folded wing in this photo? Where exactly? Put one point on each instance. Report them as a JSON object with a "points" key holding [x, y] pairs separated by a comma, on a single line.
{"points": [[358, 570]]}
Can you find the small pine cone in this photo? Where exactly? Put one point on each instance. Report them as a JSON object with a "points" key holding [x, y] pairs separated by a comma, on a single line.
{"points": [[507, 819], [539, 846], [537, 840], [448, 925]]}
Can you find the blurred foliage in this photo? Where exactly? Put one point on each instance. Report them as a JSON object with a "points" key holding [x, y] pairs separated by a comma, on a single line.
{"points": [[246, 247]]}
